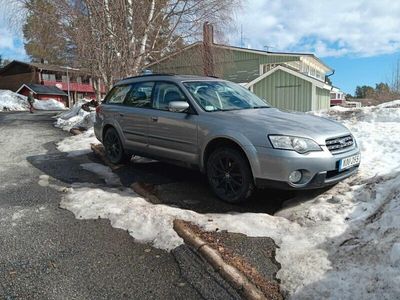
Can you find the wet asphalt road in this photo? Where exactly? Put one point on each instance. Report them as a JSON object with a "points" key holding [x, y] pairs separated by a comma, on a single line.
{"points": [[45, 253]]}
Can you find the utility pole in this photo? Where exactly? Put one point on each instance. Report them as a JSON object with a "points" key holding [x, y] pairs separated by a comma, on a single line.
{"points": [[69, 96], [68, 85]]}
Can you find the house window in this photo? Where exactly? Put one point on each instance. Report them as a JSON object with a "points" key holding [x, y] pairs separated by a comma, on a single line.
{"points": [[306, 68], [85, 79], [48, 77], [312, 72], [58, 77], [268, 67]]}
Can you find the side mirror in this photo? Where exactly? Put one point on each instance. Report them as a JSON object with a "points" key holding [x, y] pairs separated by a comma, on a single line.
{"points": [[178, 106]]}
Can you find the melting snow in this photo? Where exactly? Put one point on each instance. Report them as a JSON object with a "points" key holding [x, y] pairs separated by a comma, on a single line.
{"points": [[343, 244], [50, 104], [78, 144], [76, 117], [12, 101]]}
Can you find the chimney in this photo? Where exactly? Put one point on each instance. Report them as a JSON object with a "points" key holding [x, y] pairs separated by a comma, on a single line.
{"points": [[208, 41], [208, 33]]}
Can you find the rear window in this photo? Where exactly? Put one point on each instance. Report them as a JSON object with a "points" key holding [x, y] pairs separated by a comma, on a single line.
{"points": [[117, 94]]}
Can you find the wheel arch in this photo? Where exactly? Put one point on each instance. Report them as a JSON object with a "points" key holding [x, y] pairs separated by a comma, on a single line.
{"points": [[222, 142]]}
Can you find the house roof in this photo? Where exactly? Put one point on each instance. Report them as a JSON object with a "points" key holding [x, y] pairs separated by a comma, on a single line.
{"points": [[43, 89], [47, 67], [286, 69], [261, 52]]}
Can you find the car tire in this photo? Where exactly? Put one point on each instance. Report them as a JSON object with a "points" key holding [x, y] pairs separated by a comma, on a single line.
{"points": [[229, 175], [113, 147]]}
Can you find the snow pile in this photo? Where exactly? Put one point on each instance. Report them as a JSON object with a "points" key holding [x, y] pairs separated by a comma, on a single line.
{"points": [[342, 244], [78, 144], [10, 101], [76, 117], [50, 104]]}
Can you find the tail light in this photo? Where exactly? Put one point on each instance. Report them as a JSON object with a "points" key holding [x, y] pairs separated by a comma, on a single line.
{"points": [[99, 110]]}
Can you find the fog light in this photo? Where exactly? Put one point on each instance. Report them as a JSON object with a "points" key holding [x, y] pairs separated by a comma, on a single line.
{"points": [[295, 176]]}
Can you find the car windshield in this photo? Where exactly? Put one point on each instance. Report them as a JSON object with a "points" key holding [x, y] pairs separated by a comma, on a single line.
{"points": [[223, 95]]}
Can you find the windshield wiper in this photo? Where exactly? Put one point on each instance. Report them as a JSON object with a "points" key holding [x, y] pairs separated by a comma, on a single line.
{"points": [[261, 106]]}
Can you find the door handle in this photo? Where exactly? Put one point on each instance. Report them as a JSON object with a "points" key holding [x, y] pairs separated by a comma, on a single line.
{"points": [[121, 114], [154, 119]]}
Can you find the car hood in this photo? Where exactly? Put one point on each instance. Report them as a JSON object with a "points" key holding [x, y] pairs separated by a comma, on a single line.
{"points": [[275, 121]]}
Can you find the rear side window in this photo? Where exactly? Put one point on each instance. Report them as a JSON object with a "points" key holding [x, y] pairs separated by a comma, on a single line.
{"points": [[117, 94], [140, 95]]}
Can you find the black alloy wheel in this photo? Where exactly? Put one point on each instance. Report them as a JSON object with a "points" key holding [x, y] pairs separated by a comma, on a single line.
{"points": [[113, 147], [229, 175]]}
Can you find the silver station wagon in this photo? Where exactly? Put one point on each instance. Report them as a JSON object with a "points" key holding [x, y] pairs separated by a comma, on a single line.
{"points": [[238, 140]]}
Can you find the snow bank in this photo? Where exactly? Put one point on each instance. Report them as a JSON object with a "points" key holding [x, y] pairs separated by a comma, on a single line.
{"points": [[78, 144], [15, 102], [342, 244], [76, 117], [50, 104], [12, 101]]}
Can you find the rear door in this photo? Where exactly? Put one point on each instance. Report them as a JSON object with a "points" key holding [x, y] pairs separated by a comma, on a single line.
{"points": [[172, 135], [136, 115]]}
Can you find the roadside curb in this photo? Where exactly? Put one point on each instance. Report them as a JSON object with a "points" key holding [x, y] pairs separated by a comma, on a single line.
{"points": [[230, 273], [75, 131], [145, 191], [98, 150]]}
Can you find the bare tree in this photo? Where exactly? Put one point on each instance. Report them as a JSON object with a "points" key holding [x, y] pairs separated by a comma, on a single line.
{"points": [[117, 38], [124, 35]]}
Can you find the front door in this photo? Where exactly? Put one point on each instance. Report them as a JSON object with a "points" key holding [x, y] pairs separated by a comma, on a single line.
{"points": [[172, 135]]}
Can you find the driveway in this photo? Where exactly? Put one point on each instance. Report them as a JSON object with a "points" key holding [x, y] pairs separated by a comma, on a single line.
{"points": [[45, 252]]}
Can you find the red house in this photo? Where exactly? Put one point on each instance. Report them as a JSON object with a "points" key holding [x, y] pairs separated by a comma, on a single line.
{"points": [[76, 83], [43, 92]]}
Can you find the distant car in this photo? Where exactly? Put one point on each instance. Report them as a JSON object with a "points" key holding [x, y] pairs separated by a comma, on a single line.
{"points": [[238, 140]]}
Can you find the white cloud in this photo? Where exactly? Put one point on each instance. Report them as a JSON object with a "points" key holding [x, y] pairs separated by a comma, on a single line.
{"points": [[329, 28]]}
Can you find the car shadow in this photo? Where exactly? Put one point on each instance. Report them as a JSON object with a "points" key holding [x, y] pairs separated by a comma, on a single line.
{"points": [[188, 189], [174, 186]]}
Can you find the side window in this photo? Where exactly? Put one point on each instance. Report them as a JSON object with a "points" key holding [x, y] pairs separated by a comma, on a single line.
{"points": [[165, 93], [117, 94], [140, 95]]}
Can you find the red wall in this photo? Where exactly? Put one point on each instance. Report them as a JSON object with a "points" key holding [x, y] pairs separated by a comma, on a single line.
{"points": [[62, 99]]}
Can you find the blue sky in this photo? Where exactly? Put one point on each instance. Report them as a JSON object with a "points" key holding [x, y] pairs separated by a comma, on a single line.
{"points": [[352, 71], [360, 39]]}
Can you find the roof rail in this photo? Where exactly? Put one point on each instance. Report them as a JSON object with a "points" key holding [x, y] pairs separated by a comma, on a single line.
{"points": [[150, 74]]}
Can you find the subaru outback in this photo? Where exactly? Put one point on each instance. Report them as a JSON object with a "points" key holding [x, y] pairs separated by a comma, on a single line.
{"points": [[237, 139]]}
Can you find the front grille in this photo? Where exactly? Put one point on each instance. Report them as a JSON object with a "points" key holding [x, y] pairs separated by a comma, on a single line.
{"points": [[339, 144]]}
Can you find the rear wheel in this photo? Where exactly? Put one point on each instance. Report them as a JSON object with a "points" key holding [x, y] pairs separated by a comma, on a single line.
{"points": [[113, 147], [229, 175]]}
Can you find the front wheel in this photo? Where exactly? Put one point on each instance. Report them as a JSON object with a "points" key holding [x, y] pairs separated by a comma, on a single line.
{"points": [[113, 147], [229, 175]]}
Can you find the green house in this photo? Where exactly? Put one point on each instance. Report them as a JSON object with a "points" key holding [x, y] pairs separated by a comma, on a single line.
{"points": [[291, 81]]}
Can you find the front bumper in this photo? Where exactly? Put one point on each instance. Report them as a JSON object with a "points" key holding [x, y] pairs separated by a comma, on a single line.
{"points": [[272, 167]]}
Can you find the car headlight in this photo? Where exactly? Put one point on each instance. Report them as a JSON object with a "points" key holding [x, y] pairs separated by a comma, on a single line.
{"points": [[298, 144]]}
